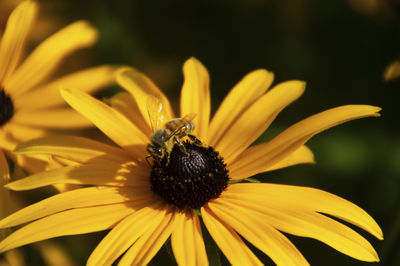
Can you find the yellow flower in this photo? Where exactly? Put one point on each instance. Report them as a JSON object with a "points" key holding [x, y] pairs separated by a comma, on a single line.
{"points": [[4, 193], [146, 203], [30, 102], [51, 252]]}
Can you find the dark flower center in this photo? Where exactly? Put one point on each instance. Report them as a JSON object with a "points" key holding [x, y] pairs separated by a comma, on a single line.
{"points": [[6, 108], [191, 179]]}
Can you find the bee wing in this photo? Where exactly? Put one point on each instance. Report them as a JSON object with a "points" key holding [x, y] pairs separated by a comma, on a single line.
{"points": [[190, 116], [156, 112]]}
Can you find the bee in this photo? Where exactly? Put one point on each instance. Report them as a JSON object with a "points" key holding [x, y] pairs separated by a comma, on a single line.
{"points": [[164, 138]]}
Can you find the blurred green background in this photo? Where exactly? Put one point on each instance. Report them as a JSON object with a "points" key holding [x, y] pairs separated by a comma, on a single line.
{"points": [[340, 48]]}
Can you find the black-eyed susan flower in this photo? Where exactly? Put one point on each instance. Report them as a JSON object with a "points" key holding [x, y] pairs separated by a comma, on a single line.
{"points": [[145, 203], [30, 102], [52, 253]]}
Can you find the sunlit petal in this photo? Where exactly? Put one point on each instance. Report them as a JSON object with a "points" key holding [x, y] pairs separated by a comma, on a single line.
{"points": [[245, 93], [257, 118], [126, 105], [230, 243], [311, 224], [260, 233], [150, 242], [71, 222], [62, 118], [79, 198], [140, 86], [89, 174], [305, 198], [12, 42], [74, 148], [258, 158], [187, 241], [195, 95], [116, 126], [124, 234], [300, 156], [47, 56], [89, 80]]}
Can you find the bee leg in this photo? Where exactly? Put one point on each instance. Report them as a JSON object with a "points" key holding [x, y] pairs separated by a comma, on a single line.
{"points": [[148, 162], [181, 146], [195, 140]]}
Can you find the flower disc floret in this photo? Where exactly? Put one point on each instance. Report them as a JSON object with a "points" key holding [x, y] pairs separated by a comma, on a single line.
{"points": [[191, 179]]}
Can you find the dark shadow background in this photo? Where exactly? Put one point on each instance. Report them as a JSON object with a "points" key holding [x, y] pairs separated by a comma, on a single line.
{"points": [[340, 48]]}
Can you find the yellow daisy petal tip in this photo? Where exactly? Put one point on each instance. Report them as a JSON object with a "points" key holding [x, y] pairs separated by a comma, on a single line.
{"points": [[366, 110], [192, 60], [302, 83], [379, 234], [375, 257], [123, 69], [33, 5], [376, 111], [125, 72], [9, 186], [88, 31], [264, 72], [298, 85]]}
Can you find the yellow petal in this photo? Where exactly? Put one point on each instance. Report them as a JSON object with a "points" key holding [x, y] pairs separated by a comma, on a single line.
{"points": [[144, 249], [305, 223], [259, 232], [255, 159], [47, 56], [14, 37], [305, 198], [14, 257], [5, 199], [62, 118], [299, 156], [71, 222], [89, 80], [392, 71], [78, 198], [73, 148], [195, 95], [126, 233], [31, 165], [116, 126], [230, 243], [140, 86], [126, 105], [245, 93], [54, 254], [21, 133], [257, 118], [6, 143], [187, 241], [4, 171], [109, 174]]}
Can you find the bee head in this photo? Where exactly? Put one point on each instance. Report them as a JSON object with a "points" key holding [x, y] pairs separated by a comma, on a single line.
{"points": [[155, 151]]}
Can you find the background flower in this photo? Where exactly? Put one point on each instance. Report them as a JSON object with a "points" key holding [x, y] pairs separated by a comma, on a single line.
{"points": [[30, 103]]}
